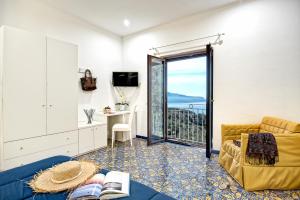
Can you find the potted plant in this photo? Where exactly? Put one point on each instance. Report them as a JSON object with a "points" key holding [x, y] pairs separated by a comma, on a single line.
{"points": [[122, 106], [107, 109]]}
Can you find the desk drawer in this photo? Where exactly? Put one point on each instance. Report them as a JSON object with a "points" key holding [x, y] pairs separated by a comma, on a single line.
{"points": [[68, 150], [32, 145]]}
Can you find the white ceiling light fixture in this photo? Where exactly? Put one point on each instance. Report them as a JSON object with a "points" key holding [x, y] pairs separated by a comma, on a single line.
{"points": [[126, 22]]}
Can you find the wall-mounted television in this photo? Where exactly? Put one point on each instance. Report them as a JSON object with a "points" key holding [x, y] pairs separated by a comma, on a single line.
{"points": [[125, 79]]}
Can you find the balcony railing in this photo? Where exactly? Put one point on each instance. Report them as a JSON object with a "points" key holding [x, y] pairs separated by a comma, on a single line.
{"points": [[187, 124]]}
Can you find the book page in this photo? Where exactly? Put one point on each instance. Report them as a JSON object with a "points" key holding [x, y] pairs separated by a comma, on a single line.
{"points": [[116, 184], [114, 176]]}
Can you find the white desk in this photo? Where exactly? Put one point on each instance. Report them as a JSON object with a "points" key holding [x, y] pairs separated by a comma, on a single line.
{"points": [[117, 117], [84, 124], [117, 113]]}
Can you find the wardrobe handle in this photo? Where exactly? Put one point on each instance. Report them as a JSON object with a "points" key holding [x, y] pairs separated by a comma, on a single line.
{"points": [[50, 105], [43, 105]]}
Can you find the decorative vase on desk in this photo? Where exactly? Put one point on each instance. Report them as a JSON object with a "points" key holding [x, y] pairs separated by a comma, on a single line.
{"points": [[122, 107], [89, 114], [107, 110]]}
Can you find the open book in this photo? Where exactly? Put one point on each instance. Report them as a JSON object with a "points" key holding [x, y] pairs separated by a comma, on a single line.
{"points": [[114, 185]]}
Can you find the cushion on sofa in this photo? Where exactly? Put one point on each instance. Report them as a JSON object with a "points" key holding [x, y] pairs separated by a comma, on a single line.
{"points": [[229, 158], [232, 150], [278, 126]]}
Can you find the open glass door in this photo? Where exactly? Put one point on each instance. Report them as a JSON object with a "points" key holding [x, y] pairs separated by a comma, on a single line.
{"points": [[209, 100], [156, 100]]}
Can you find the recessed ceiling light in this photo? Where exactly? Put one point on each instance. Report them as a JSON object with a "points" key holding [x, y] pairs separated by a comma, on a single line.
{"points": [[126, 22]]}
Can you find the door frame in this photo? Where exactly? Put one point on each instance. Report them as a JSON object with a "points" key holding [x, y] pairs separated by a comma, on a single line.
{"points": [[209, 99], [209, 96], [177, 57]]}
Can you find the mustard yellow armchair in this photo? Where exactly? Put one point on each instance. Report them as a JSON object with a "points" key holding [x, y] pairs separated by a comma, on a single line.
{"points": [[285, 174]]}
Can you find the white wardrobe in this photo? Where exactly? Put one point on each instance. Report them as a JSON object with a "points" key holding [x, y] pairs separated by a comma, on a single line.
{"points": [[39, 103]]}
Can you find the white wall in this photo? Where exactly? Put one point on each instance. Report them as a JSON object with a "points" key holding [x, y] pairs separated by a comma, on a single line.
{"points": [[1, 12], [99, 50], [256, 70]]}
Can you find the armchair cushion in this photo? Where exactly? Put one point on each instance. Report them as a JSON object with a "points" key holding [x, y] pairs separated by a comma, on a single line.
{"points": [[283, 175], [232, 150], [278, 126], [234, 131], [229, 158], [288, 150]]}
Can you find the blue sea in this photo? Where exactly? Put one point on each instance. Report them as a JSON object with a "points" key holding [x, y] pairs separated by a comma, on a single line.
{"points": [[187, 105]]}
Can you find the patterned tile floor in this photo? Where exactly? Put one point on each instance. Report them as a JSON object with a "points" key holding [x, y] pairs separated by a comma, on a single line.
{"points": [[179, 171]]}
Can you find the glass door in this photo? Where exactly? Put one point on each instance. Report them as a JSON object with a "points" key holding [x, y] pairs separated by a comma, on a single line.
{"points": [[209, 100], [156, 100]]}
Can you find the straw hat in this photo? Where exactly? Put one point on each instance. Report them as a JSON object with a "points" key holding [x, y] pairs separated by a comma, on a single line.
{"points": [[65, 176]]}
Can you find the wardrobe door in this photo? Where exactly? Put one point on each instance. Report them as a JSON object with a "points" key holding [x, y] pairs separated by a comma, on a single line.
{"points": [[62, 86], [24, 84]]}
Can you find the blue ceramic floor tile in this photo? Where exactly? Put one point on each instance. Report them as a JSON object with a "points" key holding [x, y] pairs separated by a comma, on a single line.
{"points": [[179, 171]]}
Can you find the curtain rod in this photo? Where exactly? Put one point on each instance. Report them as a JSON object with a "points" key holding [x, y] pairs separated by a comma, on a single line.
{"points": [[165, 53], [187, 41]]}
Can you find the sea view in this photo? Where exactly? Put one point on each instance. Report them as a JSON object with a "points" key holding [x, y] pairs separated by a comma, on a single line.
{"points": [[192, 103], [199, 105]]}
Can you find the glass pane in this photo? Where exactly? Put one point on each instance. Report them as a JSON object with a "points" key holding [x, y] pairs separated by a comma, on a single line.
{"points": [[157, 97], [187, 100]]}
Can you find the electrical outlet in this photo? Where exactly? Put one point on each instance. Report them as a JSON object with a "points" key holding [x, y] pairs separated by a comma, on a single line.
{"points": [[81, 70]]}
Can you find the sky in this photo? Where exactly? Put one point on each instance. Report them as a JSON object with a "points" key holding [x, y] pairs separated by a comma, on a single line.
{"points": [[188, 77]]}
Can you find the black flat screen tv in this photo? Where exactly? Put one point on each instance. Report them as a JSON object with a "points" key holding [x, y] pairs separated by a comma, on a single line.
{"points": [[125, 79]]}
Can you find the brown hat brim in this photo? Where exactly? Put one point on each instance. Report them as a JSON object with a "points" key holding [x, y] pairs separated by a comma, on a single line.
{"points": [[42, 183]]}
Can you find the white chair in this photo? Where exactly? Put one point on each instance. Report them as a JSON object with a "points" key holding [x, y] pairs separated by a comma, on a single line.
{"points": [[123, 127]]}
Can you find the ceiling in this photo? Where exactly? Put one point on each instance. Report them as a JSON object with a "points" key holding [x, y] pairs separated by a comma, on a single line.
{"points": [[143, 14]]}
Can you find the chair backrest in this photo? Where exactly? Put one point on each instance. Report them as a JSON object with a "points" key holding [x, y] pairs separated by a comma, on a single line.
{"points": [[131, 115], [278, 126]]}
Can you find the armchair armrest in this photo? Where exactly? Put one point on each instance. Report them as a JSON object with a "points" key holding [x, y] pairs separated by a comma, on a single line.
{"points": [[288, 149], [234, 131]]}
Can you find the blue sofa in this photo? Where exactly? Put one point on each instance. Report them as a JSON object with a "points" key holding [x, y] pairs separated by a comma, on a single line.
{"points": [[13, 184]]}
